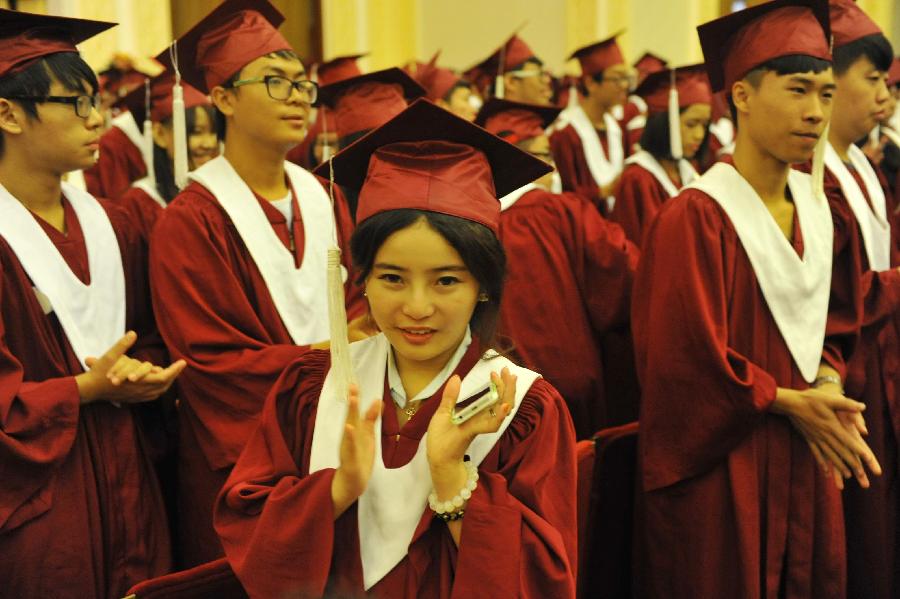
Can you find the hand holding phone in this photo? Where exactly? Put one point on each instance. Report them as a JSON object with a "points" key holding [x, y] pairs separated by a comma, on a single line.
{"points": [[491, 397]]}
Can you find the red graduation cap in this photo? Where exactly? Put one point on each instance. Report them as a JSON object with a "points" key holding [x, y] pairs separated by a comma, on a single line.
{"points": [[436, 80], [160, 99], [737, 43], [849, 22], [597, 57], [368, 101], [427, 158], [515, 121], [236, 33], [26, 37], [690, 81], [648, 64], [337, 69], [507, 57]]}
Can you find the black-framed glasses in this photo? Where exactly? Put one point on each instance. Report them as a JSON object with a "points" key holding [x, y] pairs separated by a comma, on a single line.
{"points": [[279, 88], [83, 104]]}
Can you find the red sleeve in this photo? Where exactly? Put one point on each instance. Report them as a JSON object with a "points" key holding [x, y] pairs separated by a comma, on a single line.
{"points": [[638, 199], [700, 396], [573, 169], [142, 210]]}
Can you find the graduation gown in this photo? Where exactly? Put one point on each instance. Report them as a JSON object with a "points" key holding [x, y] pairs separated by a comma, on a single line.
{"points": [[639, 197], [215, 311], [81, 513], [518, 537], [142, 208], [873, 376], [734, 504], [120, 164], [568, 154], [569, 278]]}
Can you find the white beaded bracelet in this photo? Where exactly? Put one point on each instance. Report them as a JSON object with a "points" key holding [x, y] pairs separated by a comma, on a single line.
{"points": [[456, 504]]}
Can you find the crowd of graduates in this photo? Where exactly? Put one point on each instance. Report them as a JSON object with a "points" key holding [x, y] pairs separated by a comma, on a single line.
{"points": [[347, 333]]}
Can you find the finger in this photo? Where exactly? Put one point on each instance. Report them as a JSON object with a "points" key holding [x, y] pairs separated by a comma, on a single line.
{"points": [[124, 368], [509, 390], [819, 458], [140, 372], [451, 394], [165, 376], [837, 478], [834, 459], [90, 361], [839, 402], [353, 405], [119, 348], [371, 417]]}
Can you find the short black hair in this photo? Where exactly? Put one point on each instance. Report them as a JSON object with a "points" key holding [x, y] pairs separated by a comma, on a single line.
{"points": [[479, 248], [516, 67], [220, 118], [655, 137], [582, 88], [875, 47], [783, 65], [162, 165], [67, 68], [461, 84]]}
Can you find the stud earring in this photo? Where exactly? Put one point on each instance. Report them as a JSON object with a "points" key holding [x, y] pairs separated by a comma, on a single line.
{"points": [[483, 297]]}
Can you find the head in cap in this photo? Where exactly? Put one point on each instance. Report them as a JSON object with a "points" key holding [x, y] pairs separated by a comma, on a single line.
{"points": [[605, 77], [648, 64], [428, 217], [862, 59], [524, 125], [774, 62], [48, 94], [362, 103], [685, 110], [513, 72], [256, 81], [446, 88]]}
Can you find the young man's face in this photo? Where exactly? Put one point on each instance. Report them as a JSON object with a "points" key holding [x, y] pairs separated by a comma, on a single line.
{"points": [[612, 90], [530, 85], [252, 111], [460, 103], [786, 114], [861, 100], [59, 139]]}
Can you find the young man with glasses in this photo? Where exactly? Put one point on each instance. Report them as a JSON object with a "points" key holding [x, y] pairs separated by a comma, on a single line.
{"points": [[81, 513], [588, 143], [238, 259], [513, 72]]}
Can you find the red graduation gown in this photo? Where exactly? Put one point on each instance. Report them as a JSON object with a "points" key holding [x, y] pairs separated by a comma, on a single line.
{"points": [[81, 514], [518, 538], [215, 311], [639, 197], [734, 502], [873, 375], [143, 209], [120, 164], [569, 277], [568, 154]]}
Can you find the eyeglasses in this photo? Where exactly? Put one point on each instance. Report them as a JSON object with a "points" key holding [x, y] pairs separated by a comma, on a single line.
{"points": [[522, 73], [83, 104], [280, 88], [626, 80]]}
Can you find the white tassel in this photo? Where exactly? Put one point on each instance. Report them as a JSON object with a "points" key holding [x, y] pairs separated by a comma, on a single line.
{"points": [[674, 121], [498, 87], [818, 166], [178, 123], [326, 147], [148, 135], [339, 346]]}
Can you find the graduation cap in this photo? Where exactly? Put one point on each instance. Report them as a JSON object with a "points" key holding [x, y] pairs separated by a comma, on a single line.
{"points": [[597, 57], [236, 33], [516, 121], [368, 101], [336, 69], [159, 99], [669, 91], [436, 80], [512, 53], [737, 43], [648, 64], [427, 158], [849, 22], [27, 37]]}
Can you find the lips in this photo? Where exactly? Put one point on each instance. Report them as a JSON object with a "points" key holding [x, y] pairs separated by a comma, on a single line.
{"points": [[417, 335]]}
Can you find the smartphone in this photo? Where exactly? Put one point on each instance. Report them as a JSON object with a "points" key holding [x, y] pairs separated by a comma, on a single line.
{"points": [[476, 407]]}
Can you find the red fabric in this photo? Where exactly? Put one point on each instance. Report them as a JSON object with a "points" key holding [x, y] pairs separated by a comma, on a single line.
{"points": [[212, 579], [81, 513], [510, 55], [585, 452], [596, 58], [120, 164], [524, 124], [639, 197], [649, 63], [849, 22], [722, 477], [437, 176], [568, 154], [215, 311], [894, 73], [273, 515], [367, 106], [143, 210], [692, 85], [560, 244], [338, 69], [873, 375]]}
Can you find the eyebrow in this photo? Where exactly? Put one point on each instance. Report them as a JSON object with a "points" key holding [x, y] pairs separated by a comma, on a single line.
{"points": [[450, 268], [283, 73]]}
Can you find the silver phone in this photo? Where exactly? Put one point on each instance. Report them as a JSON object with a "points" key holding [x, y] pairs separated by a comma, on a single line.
{"points": [[487, 400]]}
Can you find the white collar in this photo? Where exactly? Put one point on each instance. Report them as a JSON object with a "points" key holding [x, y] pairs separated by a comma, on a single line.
{"points": [[396, 384]]}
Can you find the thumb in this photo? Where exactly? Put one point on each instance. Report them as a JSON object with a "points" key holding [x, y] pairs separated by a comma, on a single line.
{"points": [[451, 393]]}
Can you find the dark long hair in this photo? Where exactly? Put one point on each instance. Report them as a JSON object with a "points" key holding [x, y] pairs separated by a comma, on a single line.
{"points": [[162, 164], [655, 137], [479, 248]]}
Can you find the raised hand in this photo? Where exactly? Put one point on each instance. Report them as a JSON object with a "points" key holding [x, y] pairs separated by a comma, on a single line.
{"points": [[357, 454], [116, 377]]}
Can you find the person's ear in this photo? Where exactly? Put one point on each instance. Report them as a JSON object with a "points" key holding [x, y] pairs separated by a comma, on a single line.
{"points": [[12, 117]]}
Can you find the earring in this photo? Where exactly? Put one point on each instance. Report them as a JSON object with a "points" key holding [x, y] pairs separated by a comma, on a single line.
{"points": [[483, 297], [365, 294]]}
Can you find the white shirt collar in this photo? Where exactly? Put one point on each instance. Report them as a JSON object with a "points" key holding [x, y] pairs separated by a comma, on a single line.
{"points": [[398, 393]]}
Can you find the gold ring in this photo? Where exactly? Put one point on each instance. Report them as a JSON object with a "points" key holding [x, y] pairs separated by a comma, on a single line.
{"points": [[491, 412]]}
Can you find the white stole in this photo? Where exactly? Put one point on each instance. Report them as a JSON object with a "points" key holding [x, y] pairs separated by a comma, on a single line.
{"points": [[149, 187], [126, 124], [299, 294], [873, 222], [603, 170], [647, 161], [507, 201], [796, 290], [92, 316], [396, 498]]}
